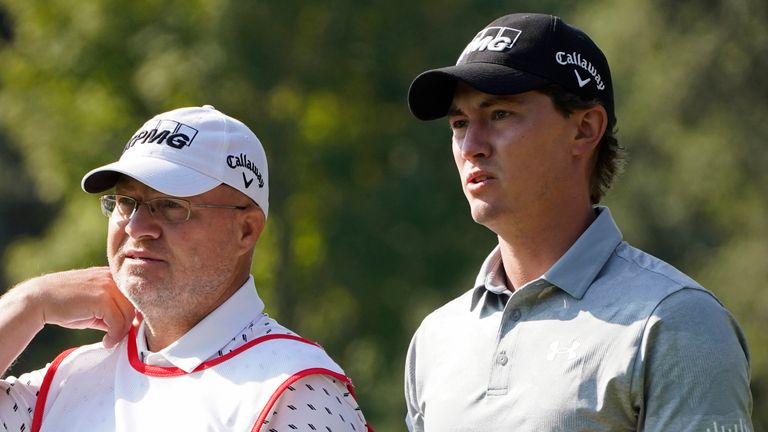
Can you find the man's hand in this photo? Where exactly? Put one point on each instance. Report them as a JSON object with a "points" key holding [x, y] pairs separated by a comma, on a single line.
{"points": [[86, 298]]}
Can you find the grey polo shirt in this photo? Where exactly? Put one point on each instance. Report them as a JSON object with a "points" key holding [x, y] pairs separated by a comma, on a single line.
{"points": [[608, 339]]}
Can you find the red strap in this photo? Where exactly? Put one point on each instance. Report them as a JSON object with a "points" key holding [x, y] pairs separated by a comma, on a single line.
{"points": [[42, 395], [162, 371], [292, 379], [37, 418]]}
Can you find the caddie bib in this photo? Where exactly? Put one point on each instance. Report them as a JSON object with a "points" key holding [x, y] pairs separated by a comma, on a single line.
{"points": [[110, 390]]}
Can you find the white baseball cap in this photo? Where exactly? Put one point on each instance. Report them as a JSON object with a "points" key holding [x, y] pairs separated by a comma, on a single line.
{"points": [[189, 151]]}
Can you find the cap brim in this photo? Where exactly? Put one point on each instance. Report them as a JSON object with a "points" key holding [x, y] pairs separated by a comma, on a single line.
{"points": [[167, 177], [431, 93]]}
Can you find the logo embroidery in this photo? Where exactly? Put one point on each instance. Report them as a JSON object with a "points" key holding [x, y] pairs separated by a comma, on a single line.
{"points": [[492, 39], [582, 82], [576, 59], [246, 181], [555, 350], [741, 427], [172, 133], [242, 160]]}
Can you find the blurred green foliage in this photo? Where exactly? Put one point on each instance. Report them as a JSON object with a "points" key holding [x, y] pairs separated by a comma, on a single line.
{"points": [[368, 228]]}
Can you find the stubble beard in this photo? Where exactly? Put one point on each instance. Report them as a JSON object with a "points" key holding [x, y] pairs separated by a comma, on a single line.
{"points": [[171, 299], [147, 296]]}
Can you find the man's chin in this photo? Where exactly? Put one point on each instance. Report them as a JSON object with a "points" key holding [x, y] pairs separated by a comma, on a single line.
{"points": [[482, 212], [135, 284]]}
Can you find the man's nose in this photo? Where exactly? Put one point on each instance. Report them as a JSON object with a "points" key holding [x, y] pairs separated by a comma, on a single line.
{"points": [[476, 142], [143, 223]]}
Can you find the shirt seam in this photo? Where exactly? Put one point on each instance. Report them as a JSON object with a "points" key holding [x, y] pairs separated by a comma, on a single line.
{"points": [[676, 282], [635, 362]]}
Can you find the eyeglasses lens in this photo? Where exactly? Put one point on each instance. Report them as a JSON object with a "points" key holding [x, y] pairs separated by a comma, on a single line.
{"points": [[172, 210]]}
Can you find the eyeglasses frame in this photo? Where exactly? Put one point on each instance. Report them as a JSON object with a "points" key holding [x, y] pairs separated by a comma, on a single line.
{"points": [[154, 212]]}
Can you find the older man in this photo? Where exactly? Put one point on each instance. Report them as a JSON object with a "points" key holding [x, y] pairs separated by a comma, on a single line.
{"points": [[187, 345]]}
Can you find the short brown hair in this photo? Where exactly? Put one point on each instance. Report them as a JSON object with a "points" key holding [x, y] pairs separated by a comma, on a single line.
{"points": [[609, 157]]}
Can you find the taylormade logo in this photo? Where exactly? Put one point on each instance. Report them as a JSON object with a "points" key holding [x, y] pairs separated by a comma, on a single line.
{"points": [[492, 39], [169, 132], [576, 59]]}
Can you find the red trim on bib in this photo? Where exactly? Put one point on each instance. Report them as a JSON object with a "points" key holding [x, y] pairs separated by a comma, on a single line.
{"points": [[159, 371], [163, 371], [292, 379], [42, 395]]}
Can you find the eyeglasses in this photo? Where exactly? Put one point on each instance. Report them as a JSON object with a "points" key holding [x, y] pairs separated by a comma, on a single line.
{"points": [[171, 210]]}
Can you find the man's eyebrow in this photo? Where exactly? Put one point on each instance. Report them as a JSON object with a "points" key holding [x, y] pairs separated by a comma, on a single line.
{"points": [[489, 102], [504, 99], [454, 111]]}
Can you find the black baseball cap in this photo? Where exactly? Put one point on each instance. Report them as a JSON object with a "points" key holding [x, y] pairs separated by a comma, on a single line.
{"points": [[515, 54]]}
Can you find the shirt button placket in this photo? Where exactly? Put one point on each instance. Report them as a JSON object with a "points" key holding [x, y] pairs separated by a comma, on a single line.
{"points": [[500, 370], [502, 359]]}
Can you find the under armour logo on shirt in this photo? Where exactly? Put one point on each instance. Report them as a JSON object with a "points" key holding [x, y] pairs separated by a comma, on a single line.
{"points": [[556, 351]]}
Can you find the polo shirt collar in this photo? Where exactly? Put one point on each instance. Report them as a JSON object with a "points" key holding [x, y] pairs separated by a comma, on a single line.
{"points": [[579, 266], [491, 278], [573, 272], [203, 340]]}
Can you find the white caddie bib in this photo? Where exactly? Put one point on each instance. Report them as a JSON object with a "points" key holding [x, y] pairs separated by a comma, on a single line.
{"points": [[98, 390]]}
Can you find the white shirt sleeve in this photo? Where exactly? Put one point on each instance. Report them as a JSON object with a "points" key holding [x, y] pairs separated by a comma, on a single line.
{"points": [[17, 400], [316, 403]]}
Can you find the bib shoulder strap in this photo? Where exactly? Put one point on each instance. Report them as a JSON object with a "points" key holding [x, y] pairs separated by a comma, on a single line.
{"points": [[37, 417]]}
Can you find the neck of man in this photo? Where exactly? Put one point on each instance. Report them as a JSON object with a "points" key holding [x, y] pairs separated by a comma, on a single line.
{"points": [[163, 327], [530, 248], [161, 334]]}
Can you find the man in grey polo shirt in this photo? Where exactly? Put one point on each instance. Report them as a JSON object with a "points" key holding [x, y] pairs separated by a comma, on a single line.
{"points": [[567, 328]]}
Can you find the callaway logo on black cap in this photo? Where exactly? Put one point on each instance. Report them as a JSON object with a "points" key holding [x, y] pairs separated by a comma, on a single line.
{"points": [[514, 54], [577, 60]]}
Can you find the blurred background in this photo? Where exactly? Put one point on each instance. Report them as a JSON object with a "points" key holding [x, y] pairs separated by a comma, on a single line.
{"points": [[368, 228]]}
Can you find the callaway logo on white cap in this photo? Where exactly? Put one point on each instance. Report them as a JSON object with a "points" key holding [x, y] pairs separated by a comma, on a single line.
{"points": [[189, 151]]}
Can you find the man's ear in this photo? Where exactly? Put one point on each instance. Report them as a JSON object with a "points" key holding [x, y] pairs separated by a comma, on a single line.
{"points": [[252, 223], [591, 124]]}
